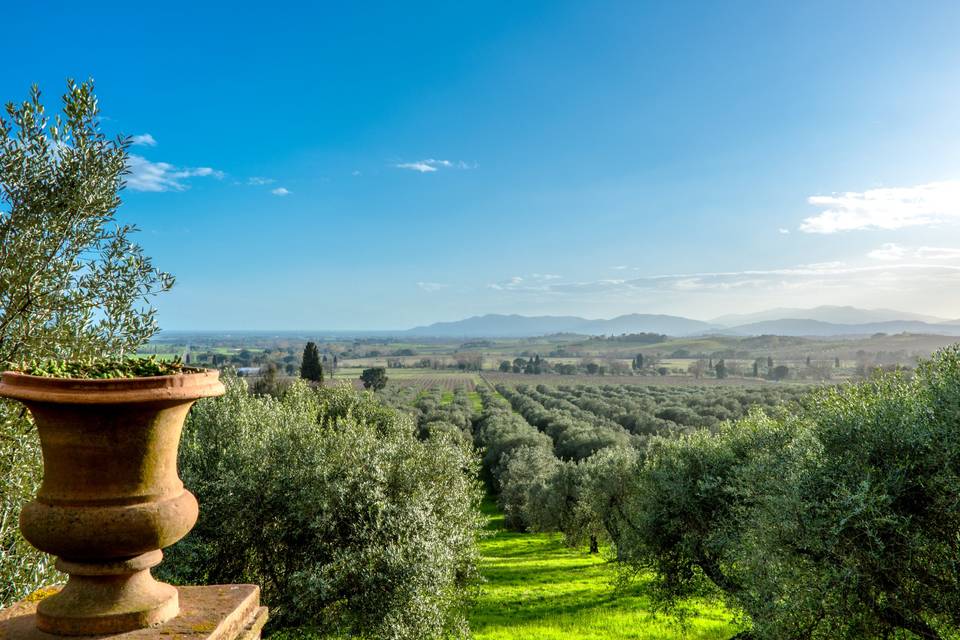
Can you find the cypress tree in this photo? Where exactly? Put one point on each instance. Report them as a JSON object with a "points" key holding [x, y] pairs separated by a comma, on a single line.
{"points": [[310, 368]]}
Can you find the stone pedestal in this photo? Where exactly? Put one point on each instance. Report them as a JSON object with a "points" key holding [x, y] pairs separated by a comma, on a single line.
{"points": [[218, 612]]}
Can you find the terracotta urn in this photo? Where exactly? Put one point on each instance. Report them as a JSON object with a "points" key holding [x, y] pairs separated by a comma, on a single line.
{"points": [[111, 498]]}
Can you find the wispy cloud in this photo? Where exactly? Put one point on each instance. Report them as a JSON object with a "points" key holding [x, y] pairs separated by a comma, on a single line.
{"points": [[281, 191], [892, 251], [888, 251], [533, 282], [143, 140], [885, 208], [145, 175], [937, 253], [783, 231], [422, 167], [431, 286], [431, 165], [832, 275], [259, 181]]}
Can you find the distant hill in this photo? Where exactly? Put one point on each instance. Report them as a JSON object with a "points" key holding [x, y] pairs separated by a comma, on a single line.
{"points": [[647, 323], [826, 313], [820, 321], [804, 327], [516, 326]]}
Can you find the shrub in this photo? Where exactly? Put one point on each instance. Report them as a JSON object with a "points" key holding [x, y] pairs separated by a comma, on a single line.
{"points": [[327, 500], [23, 569]]}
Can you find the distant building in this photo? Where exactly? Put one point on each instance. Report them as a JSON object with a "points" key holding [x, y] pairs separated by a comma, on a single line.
{"points": [[248, 371]]}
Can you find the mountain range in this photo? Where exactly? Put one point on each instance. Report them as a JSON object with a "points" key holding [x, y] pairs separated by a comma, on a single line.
{"points": [[819, 321]]}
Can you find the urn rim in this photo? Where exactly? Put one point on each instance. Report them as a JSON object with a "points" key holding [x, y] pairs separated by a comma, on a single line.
{"points": [[176, 387]]}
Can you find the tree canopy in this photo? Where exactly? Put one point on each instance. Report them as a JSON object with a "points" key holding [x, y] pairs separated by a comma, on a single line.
{"points": [[310, 366], [374, 378], [72, 281]]}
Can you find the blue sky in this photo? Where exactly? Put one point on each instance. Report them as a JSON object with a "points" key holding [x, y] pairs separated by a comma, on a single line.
{"points": [[387, 165]]}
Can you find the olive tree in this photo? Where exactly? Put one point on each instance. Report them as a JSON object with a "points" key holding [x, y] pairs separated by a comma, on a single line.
{"points": [[72, 281], [835, 520], [327, 499], [525, 475], [855, 534]]}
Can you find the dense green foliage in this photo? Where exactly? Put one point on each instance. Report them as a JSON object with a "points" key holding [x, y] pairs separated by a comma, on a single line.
{"points": [[833, 515], [23, 569], [73, 284], [328, 501], [102, 368], [837, 521]]}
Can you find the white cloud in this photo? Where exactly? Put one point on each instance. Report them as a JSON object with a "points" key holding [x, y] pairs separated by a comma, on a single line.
{"points": [[281, 191], [259, 181], [784, 231], [430, 165], [938, 253], [431, 286], [533, 282], [422, 167], [144, 139], [885, 208], [888, 251], [893, 251], [161, 176]]}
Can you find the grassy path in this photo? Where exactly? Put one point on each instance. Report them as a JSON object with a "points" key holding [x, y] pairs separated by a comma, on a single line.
{"points": [[538, 589]]}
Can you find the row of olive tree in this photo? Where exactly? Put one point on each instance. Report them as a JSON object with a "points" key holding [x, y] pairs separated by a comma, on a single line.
{"points": [[500, 433], [431, 413], [837, 518], [649, 410], [575, 434]]}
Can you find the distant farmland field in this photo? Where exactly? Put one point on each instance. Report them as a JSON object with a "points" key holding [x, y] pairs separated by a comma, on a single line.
{"points": [[448, 381], [419, 378]]}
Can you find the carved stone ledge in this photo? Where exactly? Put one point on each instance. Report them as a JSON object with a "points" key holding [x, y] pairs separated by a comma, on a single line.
{"points": [[217, 612]]}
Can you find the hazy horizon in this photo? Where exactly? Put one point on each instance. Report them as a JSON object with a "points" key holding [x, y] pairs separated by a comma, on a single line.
{"points": [[398, 329], [377, 166]]}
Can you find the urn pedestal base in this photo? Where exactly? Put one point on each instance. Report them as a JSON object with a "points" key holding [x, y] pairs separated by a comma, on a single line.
{"points": [[108, 598], [218, 612]]}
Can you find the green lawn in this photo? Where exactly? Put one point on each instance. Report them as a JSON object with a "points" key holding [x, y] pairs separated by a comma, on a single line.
{"points": [[475, 399], [538, 589]]}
